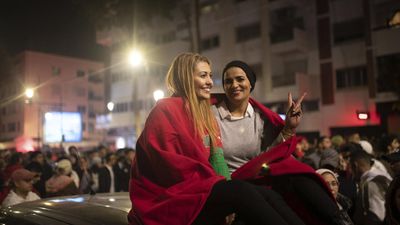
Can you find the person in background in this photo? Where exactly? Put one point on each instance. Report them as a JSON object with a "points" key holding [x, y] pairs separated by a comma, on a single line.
{"points": [[21, 188], [392, 204], [300, 147], [122, 169], [389, 144], [107, 175], [323, 156], [331, 179], [394, 163], [85, 176], [373, 184], [337, 141], [61, 183], [179, 175], [43, 170], [14, 163]]}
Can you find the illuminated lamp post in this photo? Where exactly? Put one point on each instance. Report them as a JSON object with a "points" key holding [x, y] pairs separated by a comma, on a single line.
{"points": [[29, 93], [135, 59]]}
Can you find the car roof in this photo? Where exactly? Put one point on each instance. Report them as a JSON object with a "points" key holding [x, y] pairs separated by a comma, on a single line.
{"points": [[102, 209]]}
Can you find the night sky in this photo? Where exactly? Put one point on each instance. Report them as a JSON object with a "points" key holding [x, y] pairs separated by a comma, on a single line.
{"points": [[53, 26]]}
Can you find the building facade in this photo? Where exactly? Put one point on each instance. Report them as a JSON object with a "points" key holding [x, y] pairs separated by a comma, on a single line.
{"points": [[340, 52], [68, 94]]}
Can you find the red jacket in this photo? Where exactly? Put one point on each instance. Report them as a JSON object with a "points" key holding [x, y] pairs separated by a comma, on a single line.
{"points": [[171, 177]]}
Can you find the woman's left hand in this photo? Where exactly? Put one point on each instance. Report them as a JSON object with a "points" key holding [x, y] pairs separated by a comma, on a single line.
{"points": [[294, 113]]}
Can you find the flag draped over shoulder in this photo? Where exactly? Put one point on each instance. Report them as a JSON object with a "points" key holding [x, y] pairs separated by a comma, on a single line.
{"points": [[171, 176], [278, 161]]}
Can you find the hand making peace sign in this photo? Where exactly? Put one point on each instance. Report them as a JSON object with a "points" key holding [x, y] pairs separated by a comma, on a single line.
{"points": [[294, 113]]}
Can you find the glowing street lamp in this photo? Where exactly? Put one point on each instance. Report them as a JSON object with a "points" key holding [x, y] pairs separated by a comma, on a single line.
{"points": [[110, 106], [135, 58], [29, 92], [158, 94]]}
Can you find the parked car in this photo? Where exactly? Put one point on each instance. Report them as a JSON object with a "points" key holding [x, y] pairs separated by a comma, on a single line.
{"points": [[99, 209]]}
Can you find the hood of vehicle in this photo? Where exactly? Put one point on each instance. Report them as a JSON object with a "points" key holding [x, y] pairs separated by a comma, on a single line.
{"points": [[83, 209]]}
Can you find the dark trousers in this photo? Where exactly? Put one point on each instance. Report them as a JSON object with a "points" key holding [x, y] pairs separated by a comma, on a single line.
{"points": [[253, 204], [314, 197]]}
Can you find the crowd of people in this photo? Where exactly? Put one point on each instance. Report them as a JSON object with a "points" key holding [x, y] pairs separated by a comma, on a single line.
{"points": [[34, 175], [362, 173]]}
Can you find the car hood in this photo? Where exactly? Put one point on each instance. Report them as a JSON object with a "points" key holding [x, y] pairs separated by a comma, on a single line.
{"points": [[81, 209]]}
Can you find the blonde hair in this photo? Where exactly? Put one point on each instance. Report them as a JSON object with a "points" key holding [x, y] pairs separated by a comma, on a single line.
{"points": [[180, 81]]}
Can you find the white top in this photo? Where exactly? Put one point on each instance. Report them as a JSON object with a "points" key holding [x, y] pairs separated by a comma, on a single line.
{"points": [[13, 199], [375, 197], [242, 137]]}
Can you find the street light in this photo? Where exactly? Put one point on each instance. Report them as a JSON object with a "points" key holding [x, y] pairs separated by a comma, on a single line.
{"points": [[135, 58], [110, 106], [29, 93], [158, 94]]}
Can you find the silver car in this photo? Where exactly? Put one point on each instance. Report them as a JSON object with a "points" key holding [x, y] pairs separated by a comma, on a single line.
{"points": [[99, 209]]}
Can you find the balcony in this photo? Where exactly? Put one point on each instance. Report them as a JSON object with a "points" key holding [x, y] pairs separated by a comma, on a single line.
{"points": [[293, 40]]}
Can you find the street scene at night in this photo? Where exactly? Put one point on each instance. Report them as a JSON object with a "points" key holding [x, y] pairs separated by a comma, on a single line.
{"points": [[203, 112]]}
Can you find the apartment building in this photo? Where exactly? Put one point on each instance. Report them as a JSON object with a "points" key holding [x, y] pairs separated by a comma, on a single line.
{"points": [[66, 96], [341, 52]]}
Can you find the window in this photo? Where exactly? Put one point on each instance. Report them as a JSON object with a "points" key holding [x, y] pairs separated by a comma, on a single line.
{"points": [[115, 77], [95, 78], [351, 77], [348, 30], [93, 96], [310, 105], [121, 107], [80, 73], [389, 73], [283, 22], [11, 127], [209, 6], [295, 66], [210, 43], [283, 80], [81, 109], [248, 32]]}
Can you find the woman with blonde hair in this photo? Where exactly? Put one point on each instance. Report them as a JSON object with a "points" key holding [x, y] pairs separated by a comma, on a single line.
{"points": [[179, 175]]}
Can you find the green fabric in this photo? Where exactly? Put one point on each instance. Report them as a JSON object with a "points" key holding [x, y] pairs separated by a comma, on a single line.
{"points": [[217, 161]]}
